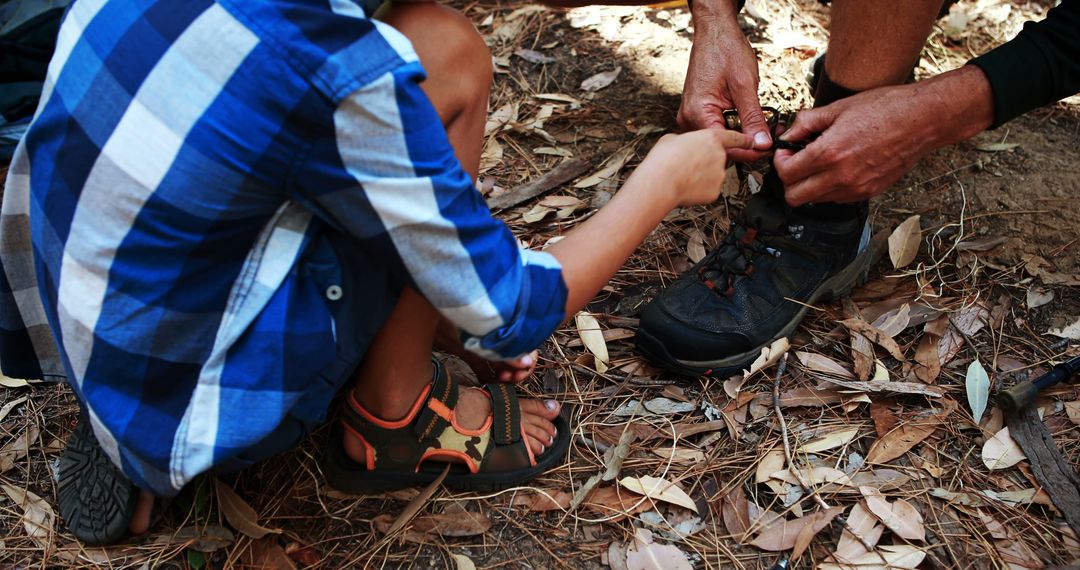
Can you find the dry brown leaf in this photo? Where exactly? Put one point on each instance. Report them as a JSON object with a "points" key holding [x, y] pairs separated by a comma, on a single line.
{"points": [[862, 355], [830, 441], [501, 118], [695, 246], [886, 557], [898, 441], [885, 419], [679, 455], [589, 331], [1071, 331], [240, 514], [770, 463], [38, 516], [769, 355], [1072, 409], [782, 534], [6, 408], [17, 448], [895, 321], [823, 364], [1038, 296], [735, 510], [1043, 269], [928, 358], [660, 490], [819, 520], [267, 554], [814, 476], [463, 562], [609, 170], [535, 501], [1001, 451], [561, 201], [600, 80], [454, 522], [861, 521], [12, 382], [899, 515], [492, 155], [610, 500], [874, 335], [648, 555], [908, 434], [904, 242]]}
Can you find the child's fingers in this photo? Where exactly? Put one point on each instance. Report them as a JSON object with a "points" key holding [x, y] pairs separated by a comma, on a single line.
{"points": [[734, 139]]}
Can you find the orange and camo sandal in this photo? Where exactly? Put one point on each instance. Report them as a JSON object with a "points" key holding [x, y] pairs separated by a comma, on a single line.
{"points": [[415, 449]]}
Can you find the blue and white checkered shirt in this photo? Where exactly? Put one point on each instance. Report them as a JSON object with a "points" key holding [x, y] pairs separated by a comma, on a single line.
{"points": [[156, 218]]}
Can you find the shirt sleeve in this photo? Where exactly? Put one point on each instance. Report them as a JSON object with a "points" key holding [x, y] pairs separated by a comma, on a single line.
{"points": [[1037, 67], [388, 176]]}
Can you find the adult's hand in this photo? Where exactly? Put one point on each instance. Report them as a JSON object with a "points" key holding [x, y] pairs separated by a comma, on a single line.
{"points": [[866, 142], [722, 74]]}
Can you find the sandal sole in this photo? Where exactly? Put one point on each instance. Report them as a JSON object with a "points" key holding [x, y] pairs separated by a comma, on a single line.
{"points": [[94, 497], [348, 476]]}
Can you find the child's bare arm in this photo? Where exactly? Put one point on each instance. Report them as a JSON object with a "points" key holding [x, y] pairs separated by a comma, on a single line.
{"points": [[681, 170]]}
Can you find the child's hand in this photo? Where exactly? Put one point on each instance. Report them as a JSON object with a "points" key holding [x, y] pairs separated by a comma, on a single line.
{"points": [[516, 371], [696, 162]]}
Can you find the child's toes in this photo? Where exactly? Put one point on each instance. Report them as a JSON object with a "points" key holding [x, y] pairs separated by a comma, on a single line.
{"points": [[547, 409]]}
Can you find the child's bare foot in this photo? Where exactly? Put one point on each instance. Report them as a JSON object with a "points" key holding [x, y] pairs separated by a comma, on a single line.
{"points": [[473, 408]]}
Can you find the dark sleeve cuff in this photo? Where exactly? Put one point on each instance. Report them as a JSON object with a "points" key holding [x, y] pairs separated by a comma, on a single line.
{"points": [[1041, 65], [1016, 71]]}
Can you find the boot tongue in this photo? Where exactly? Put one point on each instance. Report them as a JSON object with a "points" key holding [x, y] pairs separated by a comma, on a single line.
{"points": [[764, 212]]}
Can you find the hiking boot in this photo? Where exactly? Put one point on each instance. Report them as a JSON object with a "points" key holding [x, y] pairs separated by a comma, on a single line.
{"points": [[757, 285]]}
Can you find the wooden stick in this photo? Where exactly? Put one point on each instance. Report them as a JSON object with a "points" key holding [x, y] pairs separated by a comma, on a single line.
{"points": [[561, 174]]}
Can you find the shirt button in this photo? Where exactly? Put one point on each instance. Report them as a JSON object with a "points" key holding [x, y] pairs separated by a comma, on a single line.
{"points": [[333, 292]]}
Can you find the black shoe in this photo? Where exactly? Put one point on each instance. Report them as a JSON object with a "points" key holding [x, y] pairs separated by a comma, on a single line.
{"points": [[96, 499], [756, 286]]}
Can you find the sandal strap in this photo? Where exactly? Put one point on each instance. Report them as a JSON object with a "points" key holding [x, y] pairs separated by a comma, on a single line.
{"points": [[435, 416], [506, 414], [429, 431]]}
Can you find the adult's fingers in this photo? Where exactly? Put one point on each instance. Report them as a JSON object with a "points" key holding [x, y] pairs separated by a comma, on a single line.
{"points": [[811, 189], [810, 122], [794, 168]]}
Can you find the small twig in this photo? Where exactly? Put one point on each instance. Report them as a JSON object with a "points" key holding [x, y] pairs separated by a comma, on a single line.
{"points": [[790, 460], [597, 446]]}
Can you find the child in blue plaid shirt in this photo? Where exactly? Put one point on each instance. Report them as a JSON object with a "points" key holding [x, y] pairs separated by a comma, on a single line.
{"points": [[226, 211]]}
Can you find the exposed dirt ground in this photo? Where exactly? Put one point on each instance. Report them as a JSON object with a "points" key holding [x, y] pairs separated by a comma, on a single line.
{"points": [[999, 235]]}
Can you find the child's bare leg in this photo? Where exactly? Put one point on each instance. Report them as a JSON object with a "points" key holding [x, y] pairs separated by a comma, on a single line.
{"points": [[398, 364], [458, 65]]}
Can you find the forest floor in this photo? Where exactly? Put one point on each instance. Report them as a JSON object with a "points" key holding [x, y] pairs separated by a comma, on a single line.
{"points": [[883, 433]]}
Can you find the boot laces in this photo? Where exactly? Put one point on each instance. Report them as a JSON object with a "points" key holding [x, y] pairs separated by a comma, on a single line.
{"points": [[736, 256]]}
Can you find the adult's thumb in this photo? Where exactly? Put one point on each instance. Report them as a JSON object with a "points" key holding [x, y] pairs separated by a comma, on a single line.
{"points": [[753, 122]]}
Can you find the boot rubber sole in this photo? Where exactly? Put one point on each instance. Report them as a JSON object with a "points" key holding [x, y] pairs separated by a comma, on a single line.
{"points": [[95, 499]]}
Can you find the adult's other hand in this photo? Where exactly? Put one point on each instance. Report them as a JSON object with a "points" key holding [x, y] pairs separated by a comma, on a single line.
{"points": [[866, 142]]}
